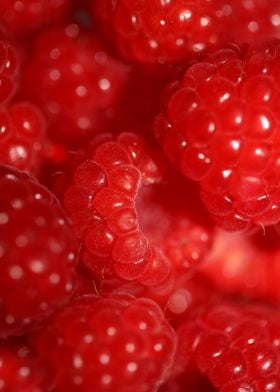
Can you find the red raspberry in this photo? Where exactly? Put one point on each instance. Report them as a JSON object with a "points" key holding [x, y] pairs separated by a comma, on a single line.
{"points": [[220, 125], [22, 136], [27, 15], [8, 69], [72, 78], [237, 348], [37, 253], [109, 344], [152, 31], [20, 370], [247, 266]]}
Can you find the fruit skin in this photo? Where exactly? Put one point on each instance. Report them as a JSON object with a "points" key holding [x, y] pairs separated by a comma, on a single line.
{"points": [[22, 136], [220, 125], [37, 252], [107, 344], [9, 68], [72, 78], [234, 346], [161, 31]]}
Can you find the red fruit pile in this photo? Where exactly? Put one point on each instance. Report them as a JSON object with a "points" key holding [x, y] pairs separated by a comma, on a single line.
{"points": [[139, 195]]}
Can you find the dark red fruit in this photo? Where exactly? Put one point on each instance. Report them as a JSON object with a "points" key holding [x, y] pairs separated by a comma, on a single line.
{"points": [[8, 69], [37, 253], [220, 125], [110, 344], [73, 79]]}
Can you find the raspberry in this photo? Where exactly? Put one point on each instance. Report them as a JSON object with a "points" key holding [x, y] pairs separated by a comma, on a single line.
{"points": [[37, 253], [236, 347], [220, 125], [8, 68], [20, 370], [72, 78], [27, 15], [247, 266], [161, 31], [22, 136], [114, 344]]}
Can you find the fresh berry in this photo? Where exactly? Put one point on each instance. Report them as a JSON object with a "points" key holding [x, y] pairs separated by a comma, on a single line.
{"points": [[153, 31], [20, 369], [107, 344], [37, 253], [8, 69], [220, 125], [22, 136], [27, 15], [73, 79], [236, 348], [246, 265]]}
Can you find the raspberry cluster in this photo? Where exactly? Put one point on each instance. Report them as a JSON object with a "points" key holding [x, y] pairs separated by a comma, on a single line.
{"points": [[139, 195]]}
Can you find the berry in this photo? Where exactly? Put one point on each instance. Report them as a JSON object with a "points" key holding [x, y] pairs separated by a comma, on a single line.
{"points": [[27, 15], [220, 125], [20, 369], [107, 344], [22, 136], [73, 79], [8, 69], [37, 253], [236, 347], [161, 31]]}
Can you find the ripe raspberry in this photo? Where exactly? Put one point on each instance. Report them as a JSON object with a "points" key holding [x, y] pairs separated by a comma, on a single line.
{"points": [[153, 31], [27, 15], [107, 344], [236, 348], [20, 370], [71, 77], [22, 136], [247, 266], [37, 253], [220, 125], [8, 69]]}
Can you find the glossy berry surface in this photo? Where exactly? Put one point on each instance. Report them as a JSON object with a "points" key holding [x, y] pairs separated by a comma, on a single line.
{"points": [[107, 344], [37, 253], [26, 15], [73, 79], [236, 347], [220, 125], [22, 136], [8, 68], [161, 31]]}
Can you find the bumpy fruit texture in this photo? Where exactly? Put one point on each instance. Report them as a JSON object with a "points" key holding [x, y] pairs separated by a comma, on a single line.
{"points": [[220, 125], [22, 136], [154, 31], [74, 80], [26, 15], [236, 347], [8, 68], [37, 253], [21, 370], [109, 344], [247, 266]]}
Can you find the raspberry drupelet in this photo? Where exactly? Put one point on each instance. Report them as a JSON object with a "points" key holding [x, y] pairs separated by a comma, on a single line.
{"points": [[220, 125], [37, 253], [236, 347], [72, 78], [153, 31], [22, 136], [107, 344]]}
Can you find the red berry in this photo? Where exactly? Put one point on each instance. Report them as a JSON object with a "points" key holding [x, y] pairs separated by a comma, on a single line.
{"points": [[37, 253], [236, 347], [8, 69], [220, 126], [22, 136], [27, 15], [73, 79], [114, 344], [161, 31]]}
